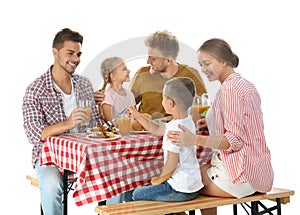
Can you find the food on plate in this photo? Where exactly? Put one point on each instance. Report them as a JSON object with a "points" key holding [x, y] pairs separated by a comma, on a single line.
{"points": [[101, 135], [147, 115], [136, 126], [107, 129], [111, 129]]}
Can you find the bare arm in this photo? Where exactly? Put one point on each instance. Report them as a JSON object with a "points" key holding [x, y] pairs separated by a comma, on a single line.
{"points": [[108, 112], [168, 169], [148, 124], [77, 116]]}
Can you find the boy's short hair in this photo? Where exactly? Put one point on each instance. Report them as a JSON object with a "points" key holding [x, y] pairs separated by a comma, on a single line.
{"points": [[181, 90]]}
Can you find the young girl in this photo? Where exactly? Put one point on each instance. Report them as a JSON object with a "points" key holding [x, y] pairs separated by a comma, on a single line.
{"points": [[180, 178], [115, 73]]}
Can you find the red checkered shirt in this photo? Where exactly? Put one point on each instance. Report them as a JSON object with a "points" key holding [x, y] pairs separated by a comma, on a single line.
{"points": [[43, 106]]}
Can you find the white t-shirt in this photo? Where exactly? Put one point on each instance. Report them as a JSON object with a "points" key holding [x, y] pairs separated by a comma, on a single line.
{"points": [[69, 100], [187, 177], [118, 101], [69, 103]]}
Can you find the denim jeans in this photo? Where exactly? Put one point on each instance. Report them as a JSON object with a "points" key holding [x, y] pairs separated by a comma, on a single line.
{"points": [[123, 197], [51, 189], [162, 192], [116, 199]]}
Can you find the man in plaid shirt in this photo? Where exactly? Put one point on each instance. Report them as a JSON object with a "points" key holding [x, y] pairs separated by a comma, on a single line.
{"points": [[49, 109]]}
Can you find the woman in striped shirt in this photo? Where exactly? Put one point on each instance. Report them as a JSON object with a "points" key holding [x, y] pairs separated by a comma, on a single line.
{"points": [[241, 163]]}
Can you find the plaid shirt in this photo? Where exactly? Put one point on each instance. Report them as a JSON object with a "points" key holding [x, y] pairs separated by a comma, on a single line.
{"points": [[43, 106]]}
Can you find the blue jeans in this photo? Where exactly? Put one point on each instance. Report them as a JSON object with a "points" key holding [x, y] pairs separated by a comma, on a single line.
{"points": [[162, 192], [123, 197], [116, 199], [51, 189]]}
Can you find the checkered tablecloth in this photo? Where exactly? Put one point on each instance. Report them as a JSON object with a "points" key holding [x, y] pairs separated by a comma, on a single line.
{"points": [[107, 168]]}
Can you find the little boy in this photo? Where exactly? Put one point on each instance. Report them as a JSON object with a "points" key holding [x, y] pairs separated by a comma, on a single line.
{"points": [[180, 178]]}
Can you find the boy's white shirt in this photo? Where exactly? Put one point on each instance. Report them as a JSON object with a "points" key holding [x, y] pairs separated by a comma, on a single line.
{"points": [[187, 176]]}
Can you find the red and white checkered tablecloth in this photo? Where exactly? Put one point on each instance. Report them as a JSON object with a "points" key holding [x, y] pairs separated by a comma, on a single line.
{"points": [[105, 168]]}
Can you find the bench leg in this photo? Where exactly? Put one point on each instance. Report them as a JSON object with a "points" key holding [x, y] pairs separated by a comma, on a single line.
{"points": [[209, 211], [254, 208], [256, 211], [278, 201], [234, 209], [102, 203], [42, 213], [192, 212]]}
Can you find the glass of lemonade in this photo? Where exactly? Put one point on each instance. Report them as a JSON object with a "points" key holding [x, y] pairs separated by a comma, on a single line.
{"points": [[124, 124], [87, 104], [200, 104]]}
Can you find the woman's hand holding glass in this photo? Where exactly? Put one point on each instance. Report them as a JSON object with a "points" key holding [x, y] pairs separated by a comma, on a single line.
{"points": [[201, 124], [200, 105]]}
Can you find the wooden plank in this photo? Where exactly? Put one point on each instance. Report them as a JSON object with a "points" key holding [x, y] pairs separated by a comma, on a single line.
{"points": [[33, 180], [156, 207], [201, 202]]}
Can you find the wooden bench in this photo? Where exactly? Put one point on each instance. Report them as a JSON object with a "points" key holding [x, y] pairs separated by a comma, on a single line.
{"points": [[69, 182], [280, 196], [33, 180]]}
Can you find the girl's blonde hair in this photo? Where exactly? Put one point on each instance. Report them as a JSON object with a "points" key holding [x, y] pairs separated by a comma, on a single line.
{"points": [[108, 65]]}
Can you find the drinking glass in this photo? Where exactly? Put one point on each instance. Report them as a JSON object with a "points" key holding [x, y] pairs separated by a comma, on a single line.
{"points": [[124, 124], [87, 105], [200, 105]]}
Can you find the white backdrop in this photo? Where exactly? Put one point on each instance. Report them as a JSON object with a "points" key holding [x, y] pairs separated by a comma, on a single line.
{"points": [[264, 34]]}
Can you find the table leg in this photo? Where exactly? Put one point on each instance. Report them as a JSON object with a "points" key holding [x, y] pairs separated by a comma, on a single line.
{"points": [[65, 182]]}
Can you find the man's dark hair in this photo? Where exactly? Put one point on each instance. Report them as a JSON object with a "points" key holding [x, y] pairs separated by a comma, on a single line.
{"points": [[66, 34]]}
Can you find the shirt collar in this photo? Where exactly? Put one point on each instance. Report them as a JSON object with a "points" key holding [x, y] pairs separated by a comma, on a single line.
{"points": [[50, 83]]}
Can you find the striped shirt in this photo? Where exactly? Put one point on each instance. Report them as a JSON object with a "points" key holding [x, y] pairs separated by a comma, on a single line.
{"points": [[43, 106], [238, 116]]}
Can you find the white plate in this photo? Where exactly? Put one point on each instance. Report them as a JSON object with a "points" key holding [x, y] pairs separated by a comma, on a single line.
{"points": [[139, 132], [89, 131], [95, 137]]}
